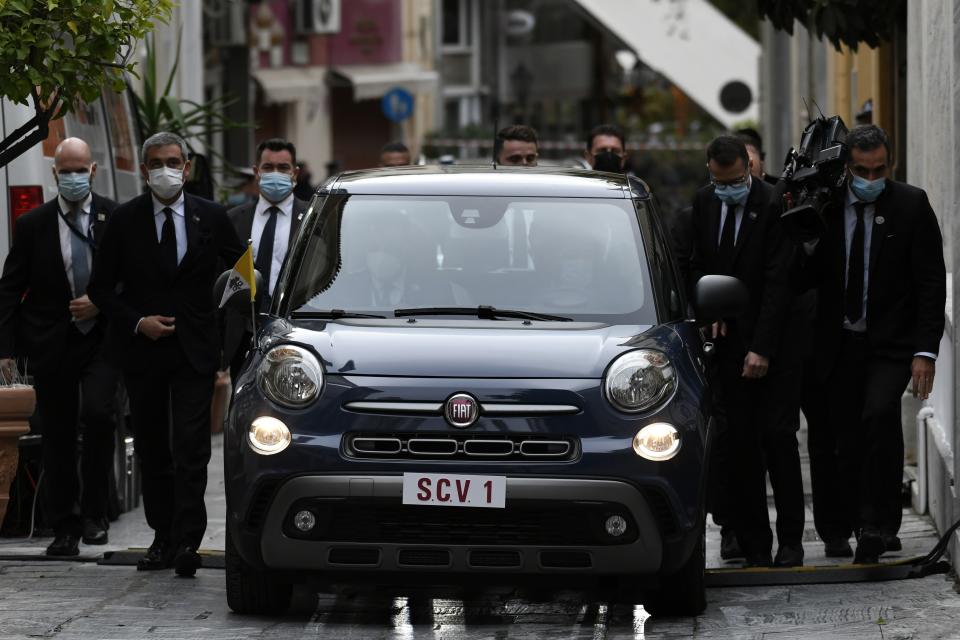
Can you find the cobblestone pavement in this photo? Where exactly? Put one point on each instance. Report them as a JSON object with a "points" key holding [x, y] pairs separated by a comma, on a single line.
{"points": [[84, 600]]}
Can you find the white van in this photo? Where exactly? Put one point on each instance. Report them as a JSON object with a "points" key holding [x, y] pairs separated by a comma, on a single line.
{"points": [[107, 125]]}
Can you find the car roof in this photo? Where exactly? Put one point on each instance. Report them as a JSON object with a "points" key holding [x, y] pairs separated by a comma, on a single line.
{"points": [[487, 180]]}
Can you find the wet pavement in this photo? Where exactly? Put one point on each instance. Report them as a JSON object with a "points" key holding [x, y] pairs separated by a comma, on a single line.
{"points": [[82, 599]]}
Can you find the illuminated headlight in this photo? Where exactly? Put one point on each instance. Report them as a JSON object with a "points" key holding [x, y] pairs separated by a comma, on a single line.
{"points": [[290, 376], [639, 380], [658, 442], [268, 436]]}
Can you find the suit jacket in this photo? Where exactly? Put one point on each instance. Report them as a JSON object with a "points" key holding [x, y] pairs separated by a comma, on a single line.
{"points": [[128, 283], [34, 291], [241, 216], [906, 290], [761, 262]]}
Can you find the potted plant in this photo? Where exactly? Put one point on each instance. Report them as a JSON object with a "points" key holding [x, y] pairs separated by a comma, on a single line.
{"points": [[17, 401]]}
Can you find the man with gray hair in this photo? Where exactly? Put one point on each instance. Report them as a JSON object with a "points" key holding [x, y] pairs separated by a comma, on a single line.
{"points": [[879, 273], [47, 319], [153, 278]]}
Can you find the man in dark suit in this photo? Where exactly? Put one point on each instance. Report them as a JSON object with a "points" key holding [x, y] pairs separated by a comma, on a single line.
{"points": [[47, 319], [881, 287], [153, 277], [736, 232], [271, 223]]}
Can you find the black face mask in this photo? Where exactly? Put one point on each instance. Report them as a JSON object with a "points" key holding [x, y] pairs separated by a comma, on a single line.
{"points": [[607, 161]]}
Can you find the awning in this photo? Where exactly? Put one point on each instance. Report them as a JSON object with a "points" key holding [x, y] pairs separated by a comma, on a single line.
{"points": [[373, 81], [290, 84], [692, 44]]}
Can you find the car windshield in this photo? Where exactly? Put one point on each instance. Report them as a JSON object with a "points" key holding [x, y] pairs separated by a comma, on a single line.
{"points": [[577, 259]]}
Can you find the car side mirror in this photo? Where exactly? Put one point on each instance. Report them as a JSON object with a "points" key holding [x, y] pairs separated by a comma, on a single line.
{"points": [[719, 297]]}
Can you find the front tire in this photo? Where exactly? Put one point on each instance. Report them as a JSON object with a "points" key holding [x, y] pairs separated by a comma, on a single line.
{"points": [[685, 592], [251, 591]]}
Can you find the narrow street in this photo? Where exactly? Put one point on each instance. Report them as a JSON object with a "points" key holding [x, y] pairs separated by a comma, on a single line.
{"points": [[86, 600]]}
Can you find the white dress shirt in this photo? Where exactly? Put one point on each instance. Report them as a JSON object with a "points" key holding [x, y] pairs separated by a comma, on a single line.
{"points": [[738, 220], [849, 224], [66, 235], [179, 223], [281, 236]]}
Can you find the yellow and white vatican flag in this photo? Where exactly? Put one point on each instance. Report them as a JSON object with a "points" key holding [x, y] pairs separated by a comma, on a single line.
{"points": [[241, 277]]}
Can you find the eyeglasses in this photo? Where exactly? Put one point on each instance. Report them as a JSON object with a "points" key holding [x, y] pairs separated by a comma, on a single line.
{"points": [[730, 183]]}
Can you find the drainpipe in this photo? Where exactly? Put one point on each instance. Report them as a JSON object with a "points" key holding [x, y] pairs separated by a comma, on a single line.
{"points": [[922, 416]]}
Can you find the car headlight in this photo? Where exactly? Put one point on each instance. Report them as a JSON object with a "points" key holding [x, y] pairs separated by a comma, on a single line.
{"points": [[658, 442], [639, 380], [290, 376], [268, 436]]}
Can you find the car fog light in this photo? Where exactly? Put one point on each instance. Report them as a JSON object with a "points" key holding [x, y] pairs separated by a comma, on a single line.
{"points": [[304, 520], [616, 526], [268, 435], [658, 442]]}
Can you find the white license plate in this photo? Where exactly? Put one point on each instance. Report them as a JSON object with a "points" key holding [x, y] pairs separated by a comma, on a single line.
{"points": [[449, 490]]}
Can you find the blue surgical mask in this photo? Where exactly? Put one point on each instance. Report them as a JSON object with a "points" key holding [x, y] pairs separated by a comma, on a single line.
{"points": [[275, 186], [732, 193], [867, 190], [73, 186]]}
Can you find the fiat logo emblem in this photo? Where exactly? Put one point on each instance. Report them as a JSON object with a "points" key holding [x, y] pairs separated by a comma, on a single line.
{"points": [[461, 410]]}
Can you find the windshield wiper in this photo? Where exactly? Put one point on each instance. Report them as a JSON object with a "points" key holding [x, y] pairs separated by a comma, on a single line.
{"points": [[332, 314], [483, 312]]}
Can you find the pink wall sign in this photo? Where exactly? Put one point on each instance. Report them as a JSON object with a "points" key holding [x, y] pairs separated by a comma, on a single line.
{"points": [[370, 33]]}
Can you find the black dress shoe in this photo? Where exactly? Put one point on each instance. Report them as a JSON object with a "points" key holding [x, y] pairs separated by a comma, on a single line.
{"points": [[837, 548], [789, 555], [869, 548], [64, 544], [186, 562], [729, 547], [157, 556], [892, 543], [757, 560], [95, 531]]}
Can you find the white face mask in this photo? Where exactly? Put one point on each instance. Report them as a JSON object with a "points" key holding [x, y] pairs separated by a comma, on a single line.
{"points": [[165, 182]]}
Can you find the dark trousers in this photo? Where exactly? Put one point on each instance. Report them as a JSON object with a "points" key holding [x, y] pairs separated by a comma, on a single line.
{"points": [[170, 410], [762, 441], [856, 443], [81, 390]]}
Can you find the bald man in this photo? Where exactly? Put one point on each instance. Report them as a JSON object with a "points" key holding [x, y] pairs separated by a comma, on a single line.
{"points": [[48, 322]]}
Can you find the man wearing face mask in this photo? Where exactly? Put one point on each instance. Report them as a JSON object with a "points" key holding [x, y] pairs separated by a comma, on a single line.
{"points": [[47, 319], [606, 148], [271, 222], [881, 284], [153, 278], [737, 232]]}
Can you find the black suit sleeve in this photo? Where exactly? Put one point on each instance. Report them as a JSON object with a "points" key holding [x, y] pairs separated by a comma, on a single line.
{"points": [[14, 283], [228, 242], [108, 274], [774, 305], [928, 273]]}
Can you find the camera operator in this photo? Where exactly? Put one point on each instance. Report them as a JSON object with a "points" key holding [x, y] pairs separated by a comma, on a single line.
{"points": [[879, 273]]}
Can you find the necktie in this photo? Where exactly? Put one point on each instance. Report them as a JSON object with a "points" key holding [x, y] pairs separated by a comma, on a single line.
{"points": [[168, 244], [853, 306], [728, 239], [79, 264], [265, 250]]}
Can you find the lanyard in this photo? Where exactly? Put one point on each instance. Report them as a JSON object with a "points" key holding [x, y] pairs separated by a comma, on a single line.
{"points": [[77, 232]]}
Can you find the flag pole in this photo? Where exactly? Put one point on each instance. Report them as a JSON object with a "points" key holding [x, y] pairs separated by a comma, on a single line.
{"points": [[253, 303]]}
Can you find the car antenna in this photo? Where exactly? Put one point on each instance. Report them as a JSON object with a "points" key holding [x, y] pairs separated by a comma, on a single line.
{"points": [[496, 127]]}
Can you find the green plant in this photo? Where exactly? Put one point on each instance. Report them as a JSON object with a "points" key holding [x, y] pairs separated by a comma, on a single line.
{"points": [[160, 111], [842, 22], [57, 54]]}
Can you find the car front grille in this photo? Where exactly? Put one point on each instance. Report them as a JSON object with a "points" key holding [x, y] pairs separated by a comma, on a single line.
{"points": [[460, 446], [519, 523]]}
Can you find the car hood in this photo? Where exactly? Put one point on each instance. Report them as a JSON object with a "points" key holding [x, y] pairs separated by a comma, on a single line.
{"points": [[463, 349]]}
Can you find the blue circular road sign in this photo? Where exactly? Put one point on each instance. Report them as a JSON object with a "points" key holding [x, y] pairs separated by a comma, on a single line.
{"points": [[397, 104]]}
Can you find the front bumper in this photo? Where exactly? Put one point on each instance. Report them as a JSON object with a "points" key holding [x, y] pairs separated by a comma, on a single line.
{"points": [[643, 555]]}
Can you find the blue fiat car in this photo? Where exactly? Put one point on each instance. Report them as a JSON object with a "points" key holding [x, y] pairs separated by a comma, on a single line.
{"points": [[474, 372]]}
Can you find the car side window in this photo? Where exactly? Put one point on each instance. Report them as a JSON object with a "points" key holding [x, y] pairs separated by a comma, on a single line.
{"points": [[664, 272]]}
